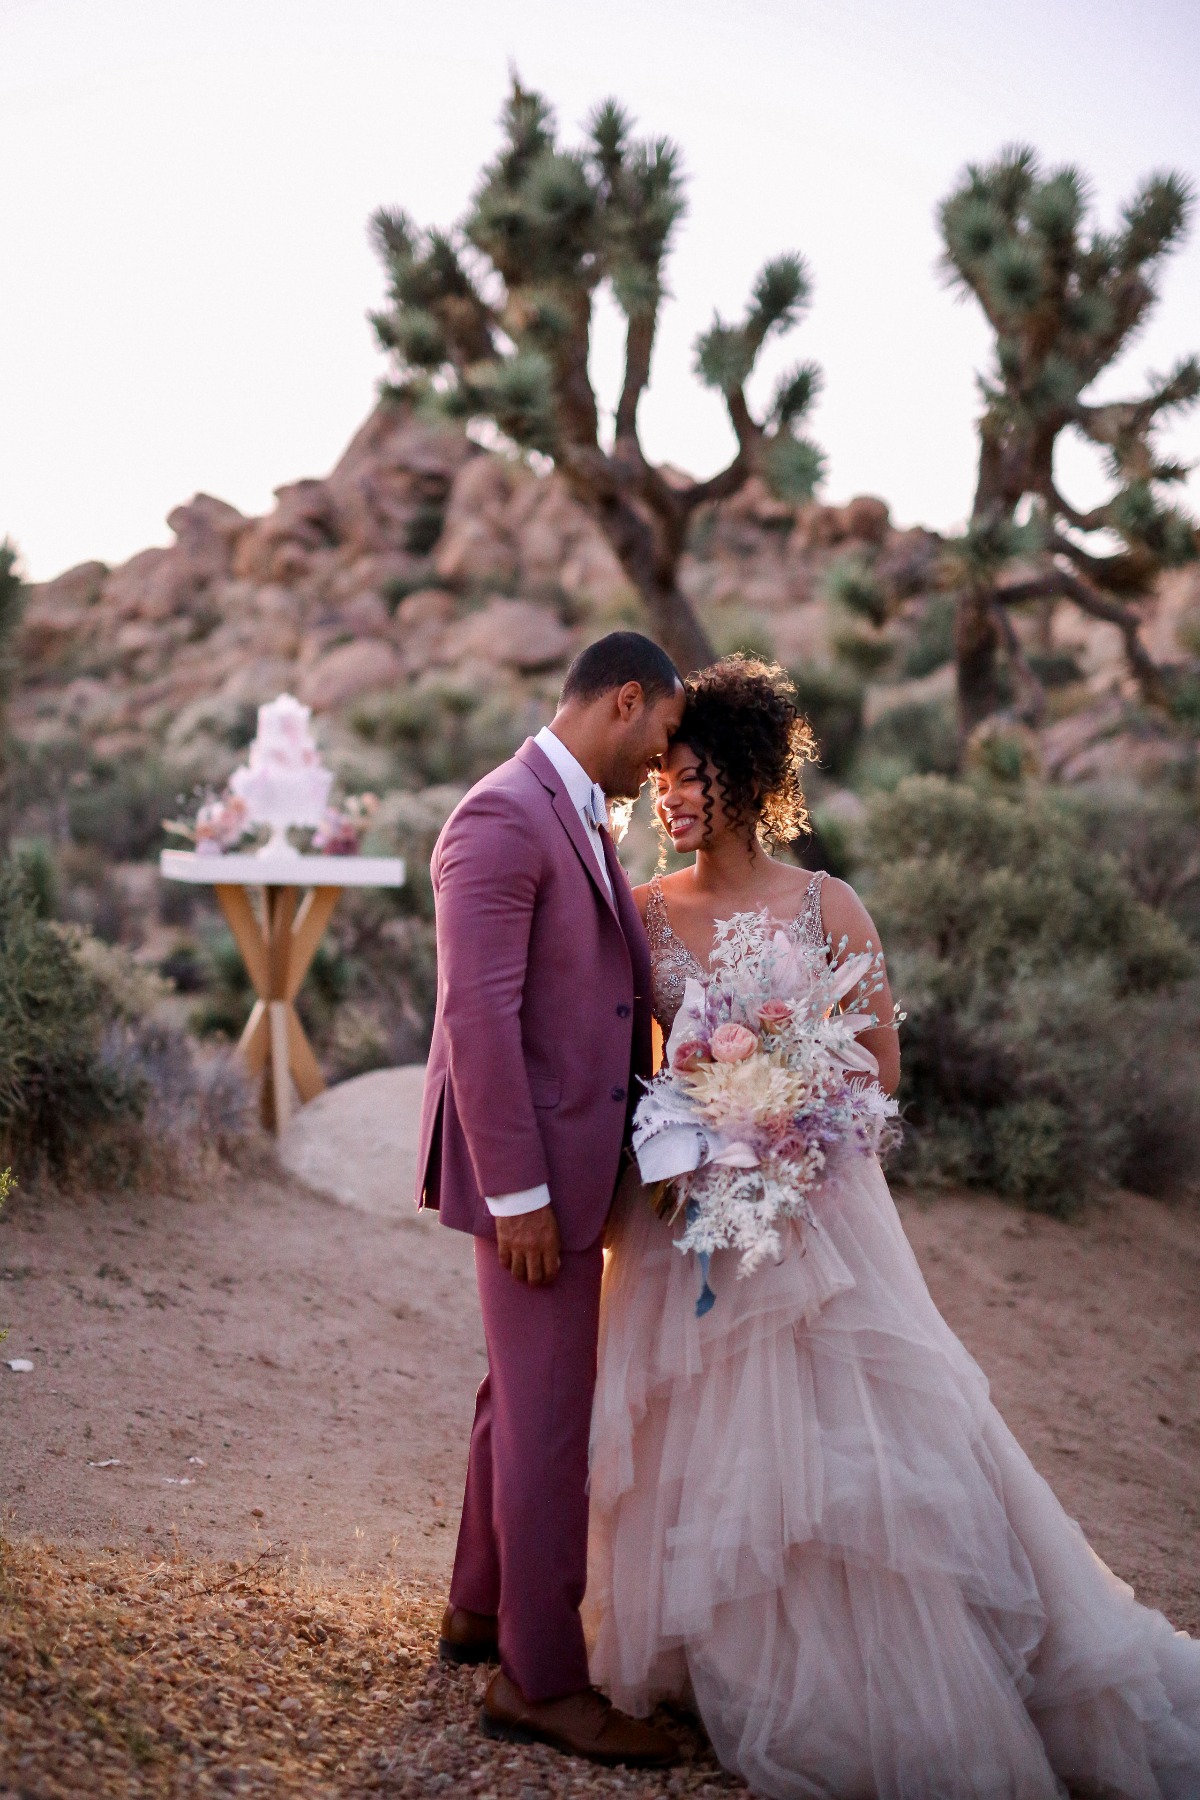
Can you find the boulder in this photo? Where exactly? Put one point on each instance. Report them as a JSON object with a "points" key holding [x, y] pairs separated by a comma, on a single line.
{"points": [[366, 615], [206, 531], [560, 545], [867, 519], [515, 634], [863, 520], [394, 467], [420, 627], [59, 613], [476, 544], [258, 680], [357, 1141], [755, 501], [349, 671], [145, 587], [279, 547]]}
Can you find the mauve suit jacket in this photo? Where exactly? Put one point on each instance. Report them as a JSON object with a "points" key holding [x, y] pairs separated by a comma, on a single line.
{"points": [[542, 1027]]}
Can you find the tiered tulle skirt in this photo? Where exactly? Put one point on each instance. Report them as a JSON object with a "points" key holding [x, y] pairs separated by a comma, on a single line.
{"points": [[809, 1520]]}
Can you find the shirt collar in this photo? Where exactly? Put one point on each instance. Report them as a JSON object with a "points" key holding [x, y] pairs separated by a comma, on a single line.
{"points": [[575, 778]]}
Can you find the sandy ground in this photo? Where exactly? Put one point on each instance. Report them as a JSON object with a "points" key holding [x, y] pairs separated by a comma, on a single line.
{"points": [[268, 1370]]}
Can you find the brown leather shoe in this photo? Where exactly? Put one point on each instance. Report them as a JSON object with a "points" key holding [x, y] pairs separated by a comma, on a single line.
{"points": [[583, 1724], [468, 1637]]}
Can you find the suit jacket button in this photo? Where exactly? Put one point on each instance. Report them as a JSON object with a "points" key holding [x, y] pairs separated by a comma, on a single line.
{"points": [[623, 1011], [618, 1093]]}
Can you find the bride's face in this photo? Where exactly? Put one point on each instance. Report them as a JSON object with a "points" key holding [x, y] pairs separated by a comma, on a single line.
{"points": [[687, 800]]}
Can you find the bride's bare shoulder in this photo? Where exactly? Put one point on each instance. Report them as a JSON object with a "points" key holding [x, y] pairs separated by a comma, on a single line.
{"points": [[844, 915]]}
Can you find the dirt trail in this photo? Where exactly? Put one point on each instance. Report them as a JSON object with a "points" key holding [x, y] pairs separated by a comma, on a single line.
{"points": [[320, 1363]]}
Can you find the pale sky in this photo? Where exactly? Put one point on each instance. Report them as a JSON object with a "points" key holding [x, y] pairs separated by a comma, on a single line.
{"points": [[186, 187]]}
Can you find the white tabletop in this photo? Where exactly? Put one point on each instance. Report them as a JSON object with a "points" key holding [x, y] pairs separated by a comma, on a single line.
{"points": [[282, 869]]}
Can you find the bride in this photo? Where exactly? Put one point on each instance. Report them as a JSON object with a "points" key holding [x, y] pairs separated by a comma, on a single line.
{"points": [[808, 1521]]}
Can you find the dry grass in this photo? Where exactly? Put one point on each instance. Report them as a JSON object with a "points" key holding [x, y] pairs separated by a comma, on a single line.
{"points": [[128, 1677]]}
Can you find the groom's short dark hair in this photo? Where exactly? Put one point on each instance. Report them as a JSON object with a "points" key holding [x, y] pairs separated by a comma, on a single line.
{"points": [[612, 661]]}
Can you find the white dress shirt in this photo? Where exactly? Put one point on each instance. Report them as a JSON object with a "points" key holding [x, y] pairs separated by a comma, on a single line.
{"points": [[591, 802]]}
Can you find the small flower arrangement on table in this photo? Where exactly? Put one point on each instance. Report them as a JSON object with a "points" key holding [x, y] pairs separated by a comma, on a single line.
{"points": [[284, 785], [763, 1076]]}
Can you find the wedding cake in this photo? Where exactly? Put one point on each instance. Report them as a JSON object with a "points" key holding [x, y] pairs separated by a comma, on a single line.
{"points": [[283, 782]]}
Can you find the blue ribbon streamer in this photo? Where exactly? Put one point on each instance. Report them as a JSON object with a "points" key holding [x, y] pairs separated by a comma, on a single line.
{"points": [[707, 1298]]}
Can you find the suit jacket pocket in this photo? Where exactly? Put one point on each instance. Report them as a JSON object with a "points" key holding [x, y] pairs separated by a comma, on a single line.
{"points": [[545, 1090]]}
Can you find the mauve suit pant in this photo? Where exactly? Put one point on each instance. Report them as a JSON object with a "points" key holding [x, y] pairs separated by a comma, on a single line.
{"points": [[522, 1544]]}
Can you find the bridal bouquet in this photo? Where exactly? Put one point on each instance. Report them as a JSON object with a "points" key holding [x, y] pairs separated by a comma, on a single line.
{"points": [[763, 1074]]}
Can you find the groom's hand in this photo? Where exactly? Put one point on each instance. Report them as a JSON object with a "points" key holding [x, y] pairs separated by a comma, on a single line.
{"points": [[529, 1246]]}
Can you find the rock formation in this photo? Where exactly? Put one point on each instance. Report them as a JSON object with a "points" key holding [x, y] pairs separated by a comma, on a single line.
{"points": [[423, 559]]}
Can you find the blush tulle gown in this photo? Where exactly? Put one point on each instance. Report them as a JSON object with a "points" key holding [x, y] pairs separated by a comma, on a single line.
{"points": [[809, 1521]]}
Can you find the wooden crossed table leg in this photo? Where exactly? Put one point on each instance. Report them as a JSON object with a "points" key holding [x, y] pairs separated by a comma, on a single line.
{"points": [[277, 950]]}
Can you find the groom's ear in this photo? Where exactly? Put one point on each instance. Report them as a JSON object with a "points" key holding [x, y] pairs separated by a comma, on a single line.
{"points": [[629, 700]]}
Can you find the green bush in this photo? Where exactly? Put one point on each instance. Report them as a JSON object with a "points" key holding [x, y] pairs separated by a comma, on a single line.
{"points": [[445, 732], [932, 641], [1034, 979], [119, 807], [94, 1084], [56, 1085], [919, 737], [1155, 838], [832, 702]]}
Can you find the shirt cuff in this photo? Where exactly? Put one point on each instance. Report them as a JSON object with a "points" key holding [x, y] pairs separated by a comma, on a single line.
{"points": [[507, 1206]]}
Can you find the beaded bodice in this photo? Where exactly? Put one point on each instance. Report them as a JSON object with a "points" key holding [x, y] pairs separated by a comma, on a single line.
{"points": [[672, 963]]}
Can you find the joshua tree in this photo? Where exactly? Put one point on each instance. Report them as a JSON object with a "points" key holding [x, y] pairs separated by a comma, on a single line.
{"points": [[491, 320], [1063, 299]]}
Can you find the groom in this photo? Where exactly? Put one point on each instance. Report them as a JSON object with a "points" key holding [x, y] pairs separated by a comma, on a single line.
{"points": [[541, 1031]]}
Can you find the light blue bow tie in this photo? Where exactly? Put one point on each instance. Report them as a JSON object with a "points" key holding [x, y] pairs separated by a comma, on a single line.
{"points": [[595, 808]]}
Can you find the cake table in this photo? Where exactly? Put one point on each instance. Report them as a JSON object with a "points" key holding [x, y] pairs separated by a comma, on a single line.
{"points": [[278, 941]]}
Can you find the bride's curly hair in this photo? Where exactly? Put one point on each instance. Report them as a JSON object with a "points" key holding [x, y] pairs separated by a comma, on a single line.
{"points": [[742, 718]]}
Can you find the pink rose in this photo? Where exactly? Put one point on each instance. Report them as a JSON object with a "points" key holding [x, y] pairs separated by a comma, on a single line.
{"points": [[690, 1055], [773, 1015], [732, 1043]]}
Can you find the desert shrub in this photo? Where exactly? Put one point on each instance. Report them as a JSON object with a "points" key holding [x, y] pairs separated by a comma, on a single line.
{"points": [[1056, 668], [56, 1085], [447, 731], [219, 975], [852, 584], [830, 844], [92, 1082], [34, 860], [915, 738], [931, 643], [188, 1100], [832, 702], [735, 628], [1034, 978], [119, 807], [1154, 836]]}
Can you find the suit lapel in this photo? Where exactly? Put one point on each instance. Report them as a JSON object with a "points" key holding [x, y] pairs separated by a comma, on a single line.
{"points": [[576, 830], [568, 817], [627, 913]]}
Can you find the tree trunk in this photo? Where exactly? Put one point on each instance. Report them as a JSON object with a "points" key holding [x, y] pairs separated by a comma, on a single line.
{"points": [[676, 626], [650, 558], [977, 660]]}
